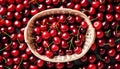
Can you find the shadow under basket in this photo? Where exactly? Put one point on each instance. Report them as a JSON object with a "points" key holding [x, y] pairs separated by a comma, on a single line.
{"points": [[89, 36]]}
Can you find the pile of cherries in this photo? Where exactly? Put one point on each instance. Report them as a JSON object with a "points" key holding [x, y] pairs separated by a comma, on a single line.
{"points": [[104, 15], [61, 34]]}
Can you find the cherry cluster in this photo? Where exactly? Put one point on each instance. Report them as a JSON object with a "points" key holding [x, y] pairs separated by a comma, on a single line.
{"points": [[59, 34], [104, 15]]}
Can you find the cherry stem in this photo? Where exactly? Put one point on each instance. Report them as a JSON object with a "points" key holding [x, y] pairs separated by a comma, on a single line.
{"points": [[50, 45], [4, 59], [6, 34], [57, 29], [93, 19], [117, 40], [36, 45], [107, 31], [116, 28], [7, 67], [98, 56], [71, 43], [18, 41], [20, 63]]}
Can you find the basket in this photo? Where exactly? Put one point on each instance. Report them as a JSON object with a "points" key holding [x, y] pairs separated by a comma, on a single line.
{"points": [[89, 36]]}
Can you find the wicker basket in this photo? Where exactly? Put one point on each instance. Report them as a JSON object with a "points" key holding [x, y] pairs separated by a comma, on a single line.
{"points": [[89, 37]]}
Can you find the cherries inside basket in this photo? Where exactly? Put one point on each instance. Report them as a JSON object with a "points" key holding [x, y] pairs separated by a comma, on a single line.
{"points": [[58, 37]]}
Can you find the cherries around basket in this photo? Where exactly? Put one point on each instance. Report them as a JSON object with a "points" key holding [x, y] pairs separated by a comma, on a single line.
{"points": [[59, 35]]}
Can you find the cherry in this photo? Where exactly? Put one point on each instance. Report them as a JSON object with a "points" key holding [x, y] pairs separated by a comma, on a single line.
{"points": [[70, 5], [15, 53], [101, 42], [18, 15], [69, 52], [106, 59], [54, 48], [111, 52], [99, 34], [17, 23], [32, 59], [16, 60], [102, 8], [41, 7], [84, 3], [64, 44], [109, 17], [61, 52], [45, 35], [69, 64], [19, 7], [118, 47], [62, 19], [3, 10], [64, 28], [1, 66], [49, 54], [78, 50], [117, 9], [6, 54], [102, 51], [11, 8], [99, 16], [91, 66], [65, 36], [53, 32], [117, 57], [78, 19], [9, 61], [38, 39], [93, 47], [92, 58], [14, 45], [59, 65], [37, 30], [117, 17], [100, 65], [8, 23], [24, 56], [110, 8], [95, 4], [56, 40], [40, 63], [78, 42], [55, 2], [43, 27], [40, 50], [48, 1], [33, 67], [117, 66], [111, 42], [50, 64], [83, 24], [20, 37], [77, 7], [25, 4], [34, 11], [105, 25], [11, 29], [45, 43], [9, 15], [25, 65], [71, 19], [92, 11]]}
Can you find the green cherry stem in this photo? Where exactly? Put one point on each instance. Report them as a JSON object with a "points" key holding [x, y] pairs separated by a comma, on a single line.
{"points": [[20, 63], [71, 43], [50, 45], [7, 67]]}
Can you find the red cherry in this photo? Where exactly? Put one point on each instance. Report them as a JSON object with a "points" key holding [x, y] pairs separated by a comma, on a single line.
{"points": [[64, 28], [117, 57], [109, 17], [84, 3], [40, 63], [49, 54], [65, 36], [45, 35], [37, 30], [111, 52], [59, 65], [117, 9], [53, 32], [56, 40], [92, 58], [83, 24], [99, 34], [64, 44], [54, 48], [95, 4], [91, 66], [15, 53], [33, 67], [77, 7], [19, 7], [77, 50]]}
